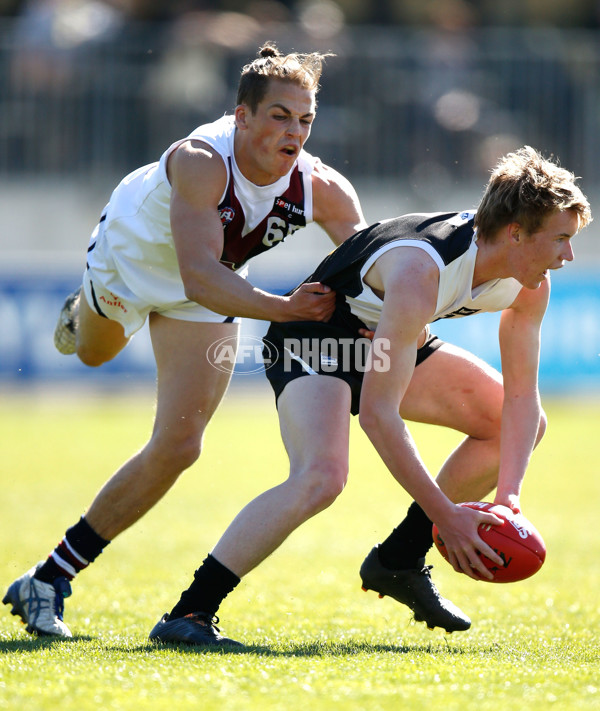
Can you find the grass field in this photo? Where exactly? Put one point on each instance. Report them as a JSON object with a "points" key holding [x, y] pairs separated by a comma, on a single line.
{"points": [[316, 641]]}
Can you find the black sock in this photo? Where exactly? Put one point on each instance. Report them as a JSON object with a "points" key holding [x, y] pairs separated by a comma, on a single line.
{"points": [[408, 542], [212, 583], [80, 547]]}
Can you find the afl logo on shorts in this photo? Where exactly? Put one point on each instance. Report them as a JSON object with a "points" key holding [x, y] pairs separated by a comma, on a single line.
{"points": [[227, 214]]}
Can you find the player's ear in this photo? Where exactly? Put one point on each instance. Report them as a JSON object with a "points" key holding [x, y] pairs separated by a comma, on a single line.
{"points": [[241, 113], [515, 231]]}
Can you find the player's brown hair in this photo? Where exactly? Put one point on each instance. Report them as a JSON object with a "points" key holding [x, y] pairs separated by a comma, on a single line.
{"points": [[301, 69], [526, 188]]}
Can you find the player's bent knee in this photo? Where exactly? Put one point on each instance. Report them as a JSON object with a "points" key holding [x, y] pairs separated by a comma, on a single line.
{"points": [[492, 413], [175, 454], [95, 357], [486, 423], [91, 358], [322, 485], [186, 454]]}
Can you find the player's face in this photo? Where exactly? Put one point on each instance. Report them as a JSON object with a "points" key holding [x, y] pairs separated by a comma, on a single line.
{"points": [[548, 248], [269, 141]]}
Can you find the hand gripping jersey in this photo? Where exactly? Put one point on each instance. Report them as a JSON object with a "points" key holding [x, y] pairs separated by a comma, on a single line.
{"points": [[450, 240], [133, 245]]}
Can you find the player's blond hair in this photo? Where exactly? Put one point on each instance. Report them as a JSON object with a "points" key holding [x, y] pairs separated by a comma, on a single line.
{"points": [[526, 188], [301, 69]]}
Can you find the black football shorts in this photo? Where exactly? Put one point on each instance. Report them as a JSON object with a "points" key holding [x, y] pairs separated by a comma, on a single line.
{"points": [[297, 349]]}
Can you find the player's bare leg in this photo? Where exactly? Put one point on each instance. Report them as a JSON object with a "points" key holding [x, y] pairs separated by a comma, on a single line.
{"points": [[188, 392], [314, 420], [98, 339], [455, 389]]}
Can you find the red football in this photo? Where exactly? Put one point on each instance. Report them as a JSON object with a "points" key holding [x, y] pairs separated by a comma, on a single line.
{"points": [[516, 541]]}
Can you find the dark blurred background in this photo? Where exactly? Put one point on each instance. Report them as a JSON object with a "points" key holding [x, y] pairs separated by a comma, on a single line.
{"points": [[424, 91]]}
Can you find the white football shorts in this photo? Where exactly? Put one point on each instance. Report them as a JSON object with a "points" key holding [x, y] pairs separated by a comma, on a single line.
{"points": [[127, 291], [132, 312]]}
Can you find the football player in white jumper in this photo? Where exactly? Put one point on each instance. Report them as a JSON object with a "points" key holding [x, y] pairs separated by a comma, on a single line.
{"points": [[171, 248]]}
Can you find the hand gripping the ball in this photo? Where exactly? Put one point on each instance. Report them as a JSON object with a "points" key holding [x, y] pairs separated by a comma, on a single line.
{"points": [[516, 542], [463, 546]]}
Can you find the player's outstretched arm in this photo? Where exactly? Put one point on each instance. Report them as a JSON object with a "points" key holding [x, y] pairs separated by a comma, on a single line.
{"points": [[522, 414]]}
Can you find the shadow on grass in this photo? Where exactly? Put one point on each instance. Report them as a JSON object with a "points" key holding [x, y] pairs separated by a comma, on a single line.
{"points": [[305, 649], [34, 644]]}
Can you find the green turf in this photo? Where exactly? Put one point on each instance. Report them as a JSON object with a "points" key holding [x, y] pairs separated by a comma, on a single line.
{"points": [[316, 641]]}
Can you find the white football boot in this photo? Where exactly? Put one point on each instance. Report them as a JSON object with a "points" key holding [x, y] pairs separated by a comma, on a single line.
{"points": [[65, 333], [40, 605]]}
